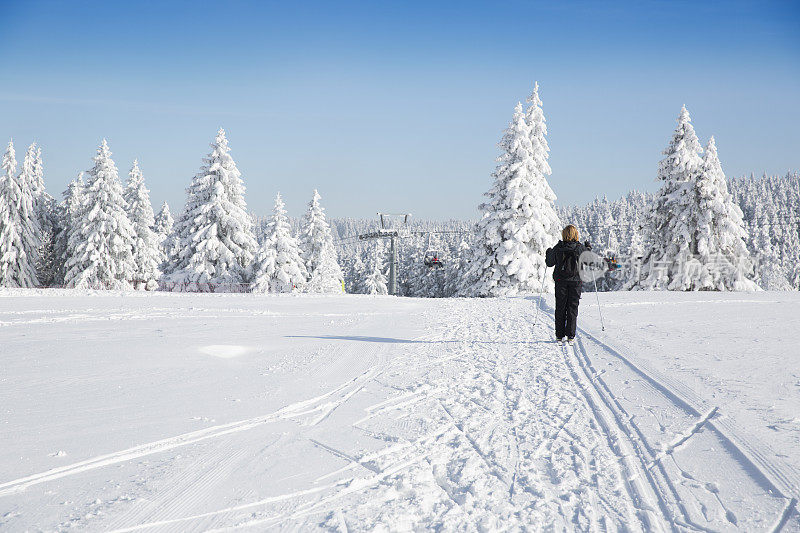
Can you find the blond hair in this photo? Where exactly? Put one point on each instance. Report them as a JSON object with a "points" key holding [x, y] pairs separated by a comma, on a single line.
{"points": [[570, 233]]}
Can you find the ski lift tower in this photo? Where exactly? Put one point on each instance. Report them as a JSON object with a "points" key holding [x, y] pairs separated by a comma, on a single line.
{"points": [[393, 226]]}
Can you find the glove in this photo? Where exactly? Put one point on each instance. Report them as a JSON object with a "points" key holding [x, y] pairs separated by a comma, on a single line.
{"points": [[587, 245]]}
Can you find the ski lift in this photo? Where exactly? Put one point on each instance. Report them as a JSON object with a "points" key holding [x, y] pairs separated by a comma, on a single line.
{"points": [[432, 258]]}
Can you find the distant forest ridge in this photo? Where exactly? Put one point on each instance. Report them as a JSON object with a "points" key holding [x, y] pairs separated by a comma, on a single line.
{"points": [[770, 207]]}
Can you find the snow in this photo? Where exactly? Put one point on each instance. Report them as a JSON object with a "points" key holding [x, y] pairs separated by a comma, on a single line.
{"points": [[102, 238], [146, 248], [735, 350], [375, 281], [214, 241], [518, 222], [155, 411], [19, 230], [279, 266], [319, 251]]}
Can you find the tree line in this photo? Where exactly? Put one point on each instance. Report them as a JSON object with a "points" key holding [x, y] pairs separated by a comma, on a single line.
{"points": [[104, 235], [700, 231]]}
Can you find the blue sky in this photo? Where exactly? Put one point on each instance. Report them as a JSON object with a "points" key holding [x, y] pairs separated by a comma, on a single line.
{"points": [[396, 106]]}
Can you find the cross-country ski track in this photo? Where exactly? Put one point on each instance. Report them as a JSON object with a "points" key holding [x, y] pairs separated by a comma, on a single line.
{"points": [[466, 418]]}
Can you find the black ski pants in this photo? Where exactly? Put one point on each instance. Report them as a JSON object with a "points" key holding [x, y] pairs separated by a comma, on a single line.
{"points": [[568, 296]]}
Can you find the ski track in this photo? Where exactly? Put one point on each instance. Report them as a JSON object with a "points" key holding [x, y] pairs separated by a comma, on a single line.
{"points": [[296, 410], [72, 316], [778, 473], [485, 424], [510, 442], [733, 454]]}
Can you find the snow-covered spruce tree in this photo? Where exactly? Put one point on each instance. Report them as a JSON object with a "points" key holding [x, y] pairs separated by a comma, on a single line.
{"points": [[668, 261], [163, 226], [358, 273], [719, 240], [31, 181], [770, 274], [146, 248], [19, 232], [635, 255], [411, 276], [68, 212], [328, 276], [44, 202], [49, 220], [519, 221], [102, 239], [461, 257], [319, 254], [770, 206], [375, 282], [215, 240], [279, 265], [32, 177]]}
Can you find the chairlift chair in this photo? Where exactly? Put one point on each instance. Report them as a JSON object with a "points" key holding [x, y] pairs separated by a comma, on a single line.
{"points": [[432, 259]]}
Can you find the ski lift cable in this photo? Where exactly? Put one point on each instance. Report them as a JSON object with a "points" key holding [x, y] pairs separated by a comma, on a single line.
{"points": [[349, 238], [788, 222]]}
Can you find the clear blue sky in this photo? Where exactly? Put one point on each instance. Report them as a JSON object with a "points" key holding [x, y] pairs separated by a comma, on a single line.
{"points": [[396, 105]]}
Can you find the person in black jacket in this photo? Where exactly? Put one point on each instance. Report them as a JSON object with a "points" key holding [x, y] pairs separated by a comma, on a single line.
{"points": [[565, 258]]}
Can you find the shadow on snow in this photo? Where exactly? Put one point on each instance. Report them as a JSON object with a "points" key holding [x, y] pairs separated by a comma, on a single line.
{"points": [[390, 340]]}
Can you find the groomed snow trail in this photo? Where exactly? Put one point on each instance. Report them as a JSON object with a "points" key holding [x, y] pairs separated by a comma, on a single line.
{"points": [[498, 428], [480, 423], [489, 431], [706, 473]]}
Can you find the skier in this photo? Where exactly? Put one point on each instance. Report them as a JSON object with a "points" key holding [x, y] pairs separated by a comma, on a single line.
{"points": [[565, 257]]}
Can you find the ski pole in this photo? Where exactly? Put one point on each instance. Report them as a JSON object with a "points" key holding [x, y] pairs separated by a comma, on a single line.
{"points": [[539, 303], [599, 310]]}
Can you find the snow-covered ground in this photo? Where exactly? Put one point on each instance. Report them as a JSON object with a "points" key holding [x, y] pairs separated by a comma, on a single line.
{"points": [[738, 351], [160, 412]]}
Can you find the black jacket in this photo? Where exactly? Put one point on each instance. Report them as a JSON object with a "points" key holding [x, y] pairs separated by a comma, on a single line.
{"points": [[554, 257]]}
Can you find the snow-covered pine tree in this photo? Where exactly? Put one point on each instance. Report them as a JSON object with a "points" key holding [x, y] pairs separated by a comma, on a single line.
{"points": [[519, 221], [163, 227], [318, 252], [720, 235], [375, 282], [215, 240], [44, 202], [770, 206], [770, 277], [461, 258], [69, 213], [412, 279], [328, 277], [635, 255], [669, 261], [279, 265], [358, 273], [146, 248], [49, 219], [31, 180], [101, 242], [19, 232]]}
